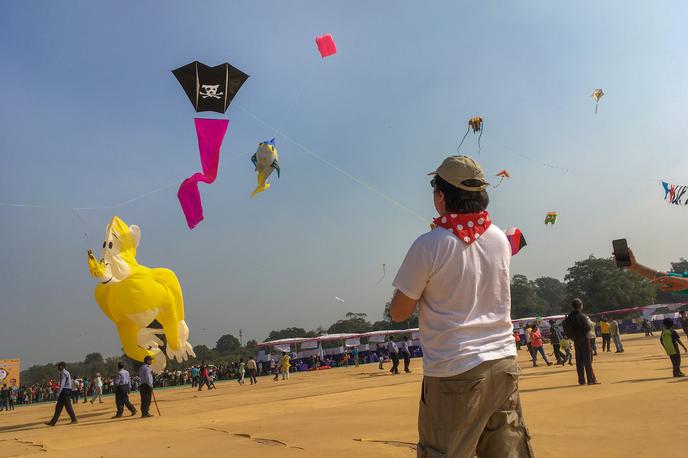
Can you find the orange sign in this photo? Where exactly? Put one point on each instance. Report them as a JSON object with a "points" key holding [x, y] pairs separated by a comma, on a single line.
{"points": [[9, 372]]}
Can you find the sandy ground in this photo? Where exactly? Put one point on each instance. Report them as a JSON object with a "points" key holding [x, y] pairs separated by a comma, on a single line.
{"points": [[637, 411]]}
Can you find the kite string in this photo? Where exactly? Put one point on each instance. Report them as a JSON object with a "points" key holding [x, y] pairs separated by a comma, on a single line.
{"points": [[464, 137], [334, 166]]}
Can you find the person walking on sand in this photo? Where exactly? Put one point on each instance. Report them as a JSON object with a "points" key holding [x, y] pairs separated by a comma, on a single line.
{"points": [[458, 276], [122, 387], [252, 369], [393, 351], [97, 389], [615, 334], [670, 341], [146, 387], [577, 326], [380, 356], [537, 343], [406, 354], [566, 344], [354, 354], [242, 371], [203, 376], [555, 339], [64, 394], [592, 336], [285, 366], [606, 334]]}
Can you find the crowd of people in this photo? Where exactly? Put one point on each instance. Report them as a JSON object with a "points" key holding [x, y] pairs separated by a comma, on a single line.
{"points": [[532, 337]]}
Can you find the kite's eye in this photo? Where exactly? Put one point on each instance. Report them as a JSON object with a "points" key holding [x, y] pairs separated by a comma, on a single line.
{"points": [[104, 244], [110, 245]]}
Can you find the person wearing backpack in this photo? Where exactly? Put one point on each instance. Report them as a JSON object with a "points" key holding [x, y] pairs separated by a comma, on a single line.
{"points": [[577, 326]]}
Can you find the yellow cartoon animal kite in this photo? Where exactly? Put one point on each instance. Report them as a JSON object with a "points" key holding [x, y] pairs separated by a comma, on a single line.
{"points": [[133, 296]]}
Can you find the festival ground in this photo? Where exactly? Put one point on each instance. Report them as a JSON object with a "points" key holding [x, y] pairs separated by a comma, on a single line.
{"points": [[637, 411]]}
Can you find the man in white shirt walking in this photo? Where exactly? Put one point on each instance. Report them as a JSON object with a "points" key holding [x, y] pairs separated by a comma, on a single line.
{"points": [[393, 351], [122, 387], [63, 396], [406, 354], [458, 274], [146, 387], [97, 389]]}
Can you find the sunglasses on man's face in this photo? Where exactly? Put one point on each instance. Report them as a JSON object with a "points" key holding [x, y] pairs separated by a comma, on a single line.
{"points": [[433, 183]]}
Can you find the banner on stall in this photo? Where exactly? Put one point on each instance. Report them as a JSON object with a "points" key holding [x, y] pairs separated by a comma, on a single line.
{"points": [[379, 338], [284, 348], [309, 345], [353, 342], [9, 372]]}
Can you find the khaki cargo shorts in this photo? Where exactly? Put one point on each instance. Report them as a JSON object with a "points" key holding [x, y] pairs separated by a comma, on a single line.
{"points": [[474, 413]]}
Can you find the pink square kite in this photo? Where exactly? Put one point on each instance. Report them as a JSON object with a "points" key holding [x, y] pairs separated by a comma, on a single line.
{"points": [[326, 45]]}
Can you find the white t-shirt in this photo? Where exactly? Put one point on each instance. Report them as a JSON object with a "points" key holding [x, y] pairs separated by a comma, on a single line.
{"points": [[465, 299]]}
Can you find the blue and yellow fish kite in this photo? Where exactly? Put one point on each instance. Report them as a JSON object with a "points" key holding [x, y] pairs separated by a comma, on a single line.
{"points": [[265, 161]]}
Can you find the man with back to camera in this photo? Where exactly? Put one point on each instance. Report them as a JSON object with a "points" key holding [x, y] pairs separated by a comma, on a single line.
{"points": [[146, 387], [122, 387], [458, 274], [577, 326]]}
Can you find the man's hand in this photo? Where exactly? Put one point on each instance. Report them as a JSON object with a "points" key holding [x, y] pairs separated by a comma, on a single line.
{"points": [[672, 284]]}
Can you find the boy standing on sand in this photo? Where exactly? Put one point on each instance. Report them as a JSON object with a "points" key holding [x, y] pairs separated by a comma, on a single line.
{"points": [[670, 341], [458, 275]]}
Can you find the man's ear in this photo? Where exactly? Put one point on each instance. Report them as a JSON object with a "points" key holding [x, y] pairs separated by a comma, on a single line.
{"points": [[136, 234]]}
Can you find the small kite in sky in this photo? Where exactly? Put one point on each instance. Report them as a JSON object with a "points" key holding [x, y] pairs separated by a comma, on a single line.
{"points": [[210, 88], [551, 218], [326, 45], [338, 299], [675, 194], [475, 123], [597, 95], [265, 161], [384, 273], [503, 174], [516, 240]]}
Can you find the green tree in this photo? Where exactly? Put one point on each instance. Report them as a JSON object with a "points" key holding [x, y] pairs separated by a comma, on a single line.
{"points": [[289, 333], [227, 344], [354, 322], [524, 299], [552, 293], [203, 353], [603, 286], [411, 322]]}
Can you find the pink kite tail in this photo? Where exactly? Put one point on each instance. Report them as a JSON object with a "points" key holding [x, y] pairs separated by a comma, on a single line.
{"points": [[210, 134]]}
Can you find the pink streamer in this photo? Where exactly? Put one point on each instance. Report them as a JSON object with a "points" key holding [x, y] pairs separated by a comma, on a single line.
{"points": [[210, 133]]}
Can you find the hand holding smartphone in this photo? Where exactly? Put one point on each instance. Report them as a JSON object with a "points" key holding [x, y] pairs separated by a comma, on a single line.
{"points": [[621, 253]]}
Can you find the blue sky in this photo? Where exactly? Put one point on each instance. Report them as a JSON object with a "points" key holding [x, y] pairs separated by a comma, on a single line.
{"points": [[92, 116]]}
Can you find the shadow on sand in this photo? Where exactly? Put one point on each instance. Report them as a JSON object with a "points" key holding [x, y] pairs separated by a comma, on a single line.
{"points": [[548, 388]]}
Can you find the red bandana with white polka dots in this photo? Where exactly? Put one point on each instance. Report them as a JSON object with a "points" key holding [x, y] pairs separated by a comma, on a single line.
{"points": [[465, 226]]}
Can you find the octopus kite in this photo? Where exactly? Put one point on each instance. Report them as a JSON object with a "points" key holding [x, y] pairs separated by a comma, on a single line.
{"points": [[476, 124]]}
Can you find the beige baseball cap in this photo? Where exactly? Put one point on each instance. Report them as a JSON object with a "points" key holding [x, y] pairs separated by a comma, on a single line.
{"points": [[457, 169]]}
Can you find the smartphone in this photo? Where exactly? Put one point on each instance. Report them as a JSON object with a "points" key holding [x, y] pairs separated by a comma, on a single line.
{"points": [[621, 254]]}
